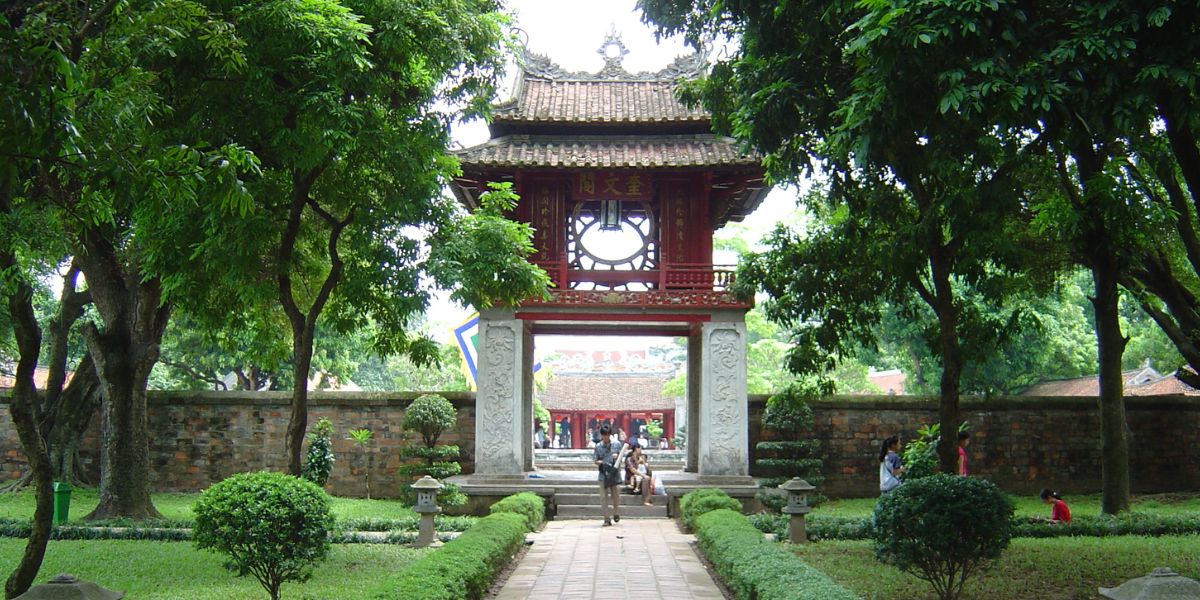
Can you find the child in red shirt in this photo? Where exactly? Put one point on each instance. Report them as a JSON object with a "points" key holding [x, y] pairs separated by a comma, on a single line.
{"points": [[1060, 513]]}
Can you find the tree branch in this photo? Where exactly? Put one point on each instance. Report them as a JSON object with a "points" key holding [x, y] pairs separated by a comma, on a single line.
{"points": [[198, 376]]}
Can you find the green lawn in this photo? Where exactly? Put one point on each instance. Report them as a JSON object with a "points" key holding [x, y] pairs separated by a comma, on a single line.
{"points": [[1058, 568], [174, 570], [1159, 504], [19, 505]]}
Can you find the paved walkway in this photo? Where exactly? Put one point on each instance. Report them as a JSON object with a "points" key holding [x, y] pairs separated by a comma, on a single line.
{"points": [[643, 559]]}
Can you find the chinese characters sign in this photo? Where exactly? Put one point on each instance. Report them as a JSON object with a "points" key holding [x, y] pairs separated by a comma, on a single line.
{"points": [[611, 185]]}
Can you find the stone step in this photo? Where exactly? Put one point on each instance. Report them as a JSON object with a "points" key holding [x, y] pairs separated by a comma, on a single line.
{"points": [[586, 499], [577, 511]]}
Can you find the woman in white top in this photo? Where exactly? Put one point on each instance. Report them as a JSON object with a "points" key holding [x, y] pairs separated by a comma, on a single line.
{"points": [[890, 468]]}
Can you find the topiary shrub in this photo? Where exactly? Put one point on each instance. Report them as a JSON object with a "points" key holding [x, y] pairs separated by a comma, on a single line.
{"points": [[695, 503], [754, 568], [318, 461], [462, 569], [270, 525], [794, 453], [430, 416], [943, 529], [526, 504]]}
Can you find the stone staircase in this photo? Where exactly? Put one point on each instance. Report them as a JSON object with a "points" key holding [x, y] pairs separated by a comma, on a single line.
{"points": [[581, 460], [578, 502]]}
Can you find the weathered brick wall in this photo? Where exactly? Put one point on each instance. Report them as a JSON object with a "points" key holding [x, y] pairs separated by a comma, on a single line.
{"points": [[197, 438], [1022, 443]]}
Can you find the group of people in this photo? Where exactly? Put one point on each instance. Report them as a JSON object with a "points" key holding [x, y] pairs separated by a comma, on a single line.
{"points": [[633, 472], [891, 468]]}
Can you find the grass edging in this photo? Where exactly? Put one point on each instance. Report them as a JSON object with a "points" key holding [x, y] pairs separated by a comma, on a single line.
{"points": [[754, 568], [850, 528], [466, 566]]}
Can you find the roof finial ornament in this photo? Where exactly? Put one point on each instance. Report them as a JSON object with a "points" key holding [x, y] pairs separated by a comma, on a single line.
{"points": [[613, 50]]}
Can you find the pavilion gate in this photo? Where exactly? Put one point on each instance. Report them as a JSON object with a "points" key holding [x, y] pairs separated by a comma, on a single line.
{"points": [[624, 187]]}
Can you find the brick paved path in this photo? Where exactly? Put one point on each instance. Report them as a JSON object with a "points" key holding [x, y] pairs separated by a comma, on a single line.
{"points": [[644, 559]]}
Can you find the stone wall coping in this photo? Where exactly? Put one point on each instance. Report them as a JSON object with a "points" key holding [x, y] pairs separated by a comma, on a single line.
{"points": [[993, 403], [284, 398]]}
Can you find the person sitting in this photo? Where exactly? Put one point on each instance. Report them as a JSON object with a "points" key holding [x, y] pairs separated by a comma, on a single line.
{"points": [[1060, 513], [640, 479]]}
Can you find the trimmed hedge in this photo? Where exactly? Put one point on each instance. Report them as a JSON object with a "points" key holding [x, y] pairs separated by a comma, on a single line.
{"points": [[696, 503], [860, 528], [465, 567], [755, 568], [526, 504]]}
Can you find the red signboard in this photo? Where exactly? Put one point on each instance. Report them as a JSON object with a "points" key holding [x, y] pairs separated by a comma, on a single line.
{"points": [[612, 185]]}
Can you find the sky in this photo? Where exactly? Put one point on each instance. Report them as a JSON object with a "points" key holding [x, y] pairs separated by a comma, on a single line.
{"points": [[570, 32]]}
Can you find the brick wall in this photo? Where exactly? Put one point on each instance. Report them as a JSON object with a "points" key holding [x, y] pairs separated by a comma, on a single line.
{"points": [[1020, 442], [197, 438]]}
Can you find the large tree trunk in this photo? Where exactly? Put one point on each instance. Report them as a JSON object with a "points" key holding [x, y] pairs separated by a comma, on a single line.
{"points": [[25, 415], [124, 351], [1114, 463]]}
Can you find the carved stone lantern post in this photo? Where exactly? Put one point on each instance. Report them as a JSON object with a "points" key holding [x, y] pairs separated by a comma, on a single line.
{"points": [[797, 506], [427, 490], [65, 586]]}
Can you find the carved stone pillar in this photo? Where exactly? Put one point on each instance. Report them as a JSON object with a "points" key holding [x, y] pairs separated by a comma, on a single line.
{"points": [[721, 437], [503, 436], [692, 427]]}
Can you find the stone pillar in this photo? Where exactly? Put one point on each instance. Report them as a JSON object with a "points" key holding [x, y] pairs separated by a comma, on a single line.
{"points": [[723, 412], [503, 434], [692, 426]]}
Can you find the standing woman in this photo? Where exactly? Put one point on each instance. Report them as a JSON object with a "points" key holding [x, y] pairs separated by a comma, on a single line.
{"points": [[889, 464]]}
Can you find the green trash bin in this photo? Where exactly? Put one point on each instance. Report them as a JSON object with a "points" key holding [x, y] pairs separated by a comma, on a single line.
{"points": [[62, 502]]}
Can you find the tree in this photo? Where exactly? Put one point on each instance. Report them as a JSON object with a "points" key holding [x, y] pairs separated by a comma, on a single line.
{"points": [[914, 206], [1094, 84], [87, 173], [353, 141]]}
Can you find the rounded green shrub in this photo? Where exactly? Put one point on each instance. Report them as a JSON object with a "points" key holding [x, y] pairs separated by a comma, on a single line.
{"points": [[429, 415], [695, 503], [527, 504], [269, 525], [943, 529]]}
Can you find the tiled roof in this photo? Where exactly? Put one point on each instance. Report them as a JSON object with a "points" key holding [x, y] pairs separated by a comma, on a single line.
{"points": [[1139, 382], [543, 100], [606, 391], [607, 152]]}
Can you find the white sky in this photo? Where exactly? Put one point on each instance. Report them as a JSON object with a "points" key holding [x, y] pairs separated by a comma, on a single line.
{"points": [[570, 32]]}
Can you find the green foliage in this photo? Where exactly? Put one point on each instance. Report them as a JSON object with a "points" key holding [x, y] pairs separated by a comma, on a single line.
{"points": [[318, 461], [791, 419], [272, 526], [920, 455], [943, 528], [527, 504], [429, 415], [755, 568], [487, 254], [654, 428], [697, 502], [465, 567], [362, 438]]}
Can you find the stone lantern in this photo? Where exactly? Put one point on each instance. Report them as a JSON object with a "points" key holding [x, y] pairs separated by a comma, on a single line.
{"points": [[427, 490], [1160, 584], [797, 490], [65, 586]]}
